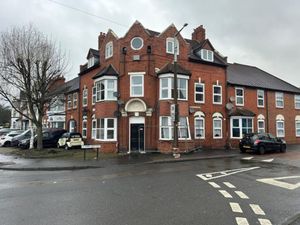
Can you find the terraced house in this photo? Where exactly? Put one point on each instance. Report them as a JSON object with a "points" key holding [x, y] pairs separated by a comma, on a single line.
{"points": [[126, 91]]}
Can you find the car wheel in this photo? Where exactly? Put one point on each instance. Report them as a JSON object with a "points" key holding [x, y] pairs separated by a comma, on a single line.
{"points": [[261, 150], [6, 144], [66, 147], [283, 148], [242, 150]]}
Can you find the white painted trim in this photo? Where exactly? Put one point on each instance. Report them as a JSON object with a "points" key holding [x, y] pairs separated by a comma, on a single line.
{"points": [[218, 118], [107, 48], [199, 118], [135, 49], [172, 75], [276, 99], [135, 120], [221, 94], [260, 106], [131, 77], [236, 96], [195, 92], [136, 73], [105, 78], [135, 99], [240, 125]]}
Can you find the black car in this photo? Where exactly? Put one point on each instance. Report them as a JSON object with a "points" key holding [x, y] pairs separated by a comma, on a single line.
{"points": [[261, 143], [50, 138], [17, 139]]}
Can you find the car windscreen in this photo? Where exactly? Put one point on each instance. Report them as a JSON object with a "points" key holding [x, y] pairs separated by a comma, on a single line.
{"points": [[75, 136]]}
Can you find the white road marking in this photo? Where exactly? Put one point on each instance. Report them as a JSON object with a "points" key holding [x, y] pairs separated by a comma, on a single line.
{"points": [[215, 175], [242, 195], [257, 210], [225, 194], [214, 184], [248, 158], [264, 222], [276, 182], [229, 184], [267, 160], [235, 207], [241, 221]]}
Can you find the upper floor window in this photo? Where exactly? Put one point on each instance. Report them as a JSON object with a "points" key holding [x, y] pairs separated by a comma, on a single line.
{"points": [[199, 92], [170, 47], [105, 89], [91, 62], [239, 96], [167, 88], [136, 85], [260, 98], [75, 96], [217, 94], [70, 101], [137, 43], [279, 100], [207, 55], [297, 101], [109, 50], [85, 97]]}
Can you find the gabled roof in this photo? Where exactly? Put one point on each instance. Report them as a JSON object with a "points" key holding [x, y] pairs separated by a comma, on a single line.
{"points": [[240, 111], [72, 85], [169, 68], [93, 52], [152, 32], [194, 55], [107, 71], [244, 75]]}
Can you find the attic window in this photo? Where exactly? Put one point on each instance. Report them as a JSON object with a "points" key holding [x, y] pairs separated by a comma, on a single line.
{"points": [[109, 50], [207, 55], [91, 62], [137, 43]]}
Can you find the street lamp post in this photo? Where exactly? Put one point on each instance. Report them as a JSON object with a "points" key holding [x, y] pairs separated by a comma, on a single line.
{"points": [[176, 117]]}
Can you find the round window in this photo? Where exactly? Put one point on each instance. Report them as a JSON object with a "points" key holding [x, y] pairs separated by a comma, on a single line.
{"points": [[137, 43]]}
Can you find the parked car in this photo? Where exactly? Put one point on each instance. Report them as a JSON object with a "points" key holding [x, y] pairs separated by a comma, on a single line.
{"points": [[24, 135], [261, 143], [6, 131], [5, 139], [50, 138], [70, 140]]}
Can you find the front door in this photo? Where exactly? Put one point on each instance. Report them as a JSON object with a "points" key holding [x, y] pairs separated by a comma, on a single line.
{"points": [[137, 137]]}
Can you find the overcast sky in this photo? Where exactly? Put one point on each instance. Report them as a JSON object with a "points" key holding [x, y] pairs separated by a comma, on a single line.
{"points": [[261, 33]]}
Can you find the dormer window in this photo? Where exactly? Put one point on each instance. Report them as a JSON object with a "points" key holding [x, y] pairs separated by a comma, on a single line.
{"points": [[91, 62], [170, 45], [109, 50], [207, 55]]}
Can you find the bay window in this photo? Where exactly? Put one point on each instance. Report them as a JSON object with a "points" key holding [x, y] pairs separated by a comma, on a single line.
{"points": [[106, 129], [166, 128], [167, 88], [105, 89]]}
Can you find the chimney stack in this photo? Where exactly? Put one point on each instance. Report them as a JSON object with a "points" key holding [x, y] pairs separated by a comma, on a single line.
{"points": [[199, 34], [101, 38]]}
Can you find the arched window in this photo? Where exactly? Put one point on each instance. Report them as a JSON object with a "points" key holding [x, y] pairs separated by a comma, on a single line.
{"points": [[297, 124], [217, 125], [199, 123], [280, 130], [260, 123]]}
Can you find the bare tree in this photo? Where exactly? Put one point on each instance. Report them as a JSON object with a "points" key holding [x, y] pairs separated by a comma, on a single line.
{"points": [[30, 64]]}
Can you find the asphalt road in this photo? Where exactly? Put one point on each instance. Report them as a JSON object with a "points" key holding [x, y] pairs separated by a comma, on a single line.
{"points": [[226, 191]]}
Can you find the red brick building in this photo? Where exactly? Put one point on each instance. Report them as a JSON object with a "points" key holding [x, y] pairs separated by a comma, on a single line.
{"points": [[126, 91]]}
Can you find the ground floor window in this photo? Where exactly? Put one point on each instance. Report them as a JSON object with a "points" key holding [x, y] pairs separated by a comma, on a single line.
{"points": [[84, 128], [261, 126], [280, 128], [183, 128], [199, 128], [72, 126], [106, 129], [297, 128], [240, 126], [166, 128], [94, 128]]}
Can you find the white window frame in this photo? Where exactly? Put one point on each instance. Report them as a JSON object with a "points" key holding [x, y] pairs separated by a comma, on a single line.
{"points": [[217, 128], [199, 93], [91, 62], [171, 40], [277, 128], [297, 101], [94, 129], [94, 95], [109, 50], [207, 55], [239, 97], [104, 80], [259, 129], [170, 88], [84, 97], [297, 130], [105, 129], [279, 97], [217, 94], [240, 127], [199, 128], [133, 40], [169, 126], [260, 92], [84, 128], [132, 86], [70, 96], [184, 127], [75, 100]]}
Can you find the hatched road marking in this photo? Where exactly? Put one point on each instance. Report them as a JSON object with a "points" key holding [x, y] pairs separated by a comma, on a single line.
{"points": [[264, 222], [241, 221], [278, 183], [242, 195], [215, 175], [225, 194], [229, 184], [235, 207], [248, 158], [214, 184], [257, 210]]}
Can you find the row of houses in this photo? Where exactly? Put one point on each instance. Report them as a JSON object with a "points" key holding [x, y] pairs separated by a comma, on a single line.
{"points": [[123, 95]]}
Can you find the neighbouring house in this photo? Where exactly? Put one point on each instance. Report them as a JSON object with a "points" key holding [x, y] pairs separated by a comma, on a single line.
{"points": [[123, 95]]}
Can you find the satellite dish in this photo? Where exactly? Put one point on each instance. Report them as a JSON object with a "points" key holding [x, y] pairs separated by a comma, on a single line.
{"points": [[229, 106], [231, 98]]}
